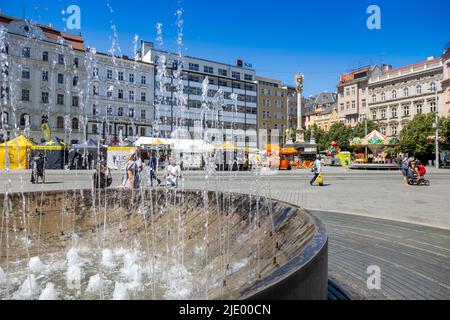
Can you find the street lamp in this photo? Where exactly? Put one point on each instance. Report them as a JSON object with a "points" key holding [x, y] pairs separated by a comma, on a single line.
{"points": [[436, 124]]}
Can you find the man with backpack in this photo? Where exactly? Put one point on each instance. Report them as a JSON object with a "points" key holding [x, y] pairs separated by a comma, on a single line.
{"points": [[317, 170]]}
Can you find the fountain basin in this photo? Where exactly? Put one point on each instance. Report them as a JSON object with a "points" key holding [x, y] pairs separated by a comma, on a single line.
{"points": [[164, 244]]}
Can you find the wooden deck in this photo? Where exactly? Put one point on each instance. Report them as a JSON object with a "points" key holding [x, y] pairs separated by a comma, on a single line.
{"points": [[414, 260]]}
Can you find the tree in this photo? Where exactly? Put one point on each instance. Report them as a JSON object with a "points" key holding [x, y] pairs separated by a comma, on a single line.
{"points": [[413, 137], [360, 129], [340, 133], [444, 125]]}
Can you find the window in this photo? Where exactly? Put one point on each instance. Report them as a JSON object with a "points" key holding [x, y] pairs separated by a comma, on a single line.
{"points": [[60, 122], [45, 56], [194, 78], [383, 130], [94, 110], [45, 76], [25, 73], [143, 96], [120, 112], [433, 106], [406, 110], [24, 118], [75, 101], [109, 111], [248, 77], [131, 77], [60, 78], [374, 98], [120, 76], [418, 89], [109, 74], [60, 59], [223, 72], [95, 72], [419, 108], [353, 91], [25, 95], [143, 114], [236, 75], [236, 85], [60, 99], [75, 81], [94, 129], [44, 97], [109, 92], [383, 96], [75, 124], [194, 67], [406, 92], [394, 94], [131, 112], [347, 105], [353, 105], [131, 95], [342, 107], [394, 112], [75, 62], [130, 131], [26, 52], [394, 130], [120, 94], [383, 113], [433, 87], [95, 90], [347, 91], [142, 132], [363, 103], [374, 114], [208, 69], [143, 79]]}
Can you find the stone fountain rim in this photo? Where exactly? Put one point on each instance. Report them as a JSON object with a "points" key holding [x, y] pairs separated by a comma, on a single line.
{"points": [[315, 245]]}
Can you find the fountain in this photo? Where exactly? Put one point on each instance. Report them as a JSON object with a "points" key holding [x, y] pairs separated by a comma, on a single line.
{"points": [[155, 243]]}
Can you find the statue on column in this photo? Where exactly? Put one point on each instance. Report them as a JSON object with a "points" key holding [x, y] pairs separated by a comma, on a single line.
{"points": [[300, 133]]}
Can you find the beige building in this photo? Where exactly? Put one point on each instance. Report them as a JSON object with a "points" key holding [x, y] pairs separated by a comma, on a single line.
{"points": [[272, 105], [321, 110], [397, 95], [445, 84], [353, 94]]}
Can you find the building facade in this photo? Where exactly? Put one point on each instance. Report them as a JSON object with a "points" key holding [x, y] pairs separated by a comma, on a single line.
{"points": [[397, 95], [321, 110], [237, 112], [445, 84], [121, 98], [272, 106], [44, 80], [353, 94]]}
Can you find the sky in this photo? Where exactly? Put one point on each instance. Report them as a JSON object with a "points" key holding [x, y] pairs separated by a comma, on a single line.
{"points": [[321, 39]]}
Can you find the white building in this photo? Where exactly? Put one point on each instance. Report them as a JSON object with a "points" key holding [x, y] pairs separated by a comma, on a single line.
{"points": [[231, 79], [397, 95]]}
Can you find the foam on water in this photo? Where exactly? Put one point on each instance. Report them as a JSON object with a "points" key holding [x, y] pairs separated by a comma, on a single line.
{"points": [[28, 289], [36, 266], [73, 275], [2, 276], [107, 258], [120, 292], [49, 293], [94, 284]]}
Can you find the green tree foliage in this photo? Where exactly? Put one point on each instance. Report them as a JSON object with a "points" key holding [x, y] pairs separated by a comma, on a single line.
{"points": [[445, 132], [340, 133], [360, 129], [413, 137]]}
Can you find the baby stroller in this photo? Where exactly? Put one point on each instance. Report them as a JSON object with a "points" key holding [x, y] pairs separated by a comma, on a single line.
{"points": [[419, 176]]}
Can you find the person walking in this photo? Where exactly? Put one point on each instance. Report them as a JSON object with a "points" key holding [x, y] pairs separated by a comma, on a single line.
{"points": [[38, 169], [153, 165], [317, 169], [404, 169]]}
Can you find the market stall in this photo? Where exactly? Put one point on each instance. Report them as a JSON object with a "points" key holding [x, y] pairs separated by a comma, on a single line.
{"points": [[55, 152], [16, 152]]}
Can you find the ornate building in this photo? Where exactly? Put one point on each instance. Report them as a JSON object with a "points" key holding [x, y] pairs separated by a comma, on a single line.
{"points": [[397, 95], [446, 82], [321, 110]]}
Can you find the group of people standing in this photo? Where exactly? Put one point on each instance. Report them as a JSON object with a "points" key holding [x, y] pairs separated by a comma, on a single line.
{"points": [[135, 166]]}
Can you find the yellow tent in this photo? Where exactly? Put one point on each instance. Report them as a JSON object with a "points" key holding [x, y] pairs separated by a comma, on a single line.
{"points": [[17, 151]]}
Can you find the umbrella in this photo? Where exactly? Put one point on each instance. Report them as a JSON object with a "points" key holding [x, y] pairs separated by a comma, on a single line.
{"points": [[289, 151]]}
